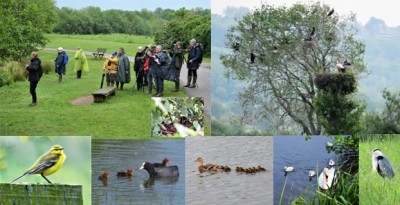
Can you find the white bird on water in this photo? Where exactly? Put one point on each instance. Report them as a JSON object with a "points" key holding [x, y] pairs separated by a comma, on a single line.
{"points": [[329, 144], [288, 169], [311, 174], [331, 162], [325, 179]]}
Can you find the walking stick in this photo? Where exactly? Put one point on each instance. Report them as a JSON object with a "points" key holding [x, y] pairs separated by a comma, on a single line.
{"points": [[102, 80]]}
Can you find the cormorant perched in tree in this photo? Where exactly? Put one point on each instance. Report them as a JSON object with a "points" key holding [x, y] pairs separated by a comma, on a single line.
{"points": [[331, 12], [346, 63], [312, 31], [236, 47], [252, 57]]}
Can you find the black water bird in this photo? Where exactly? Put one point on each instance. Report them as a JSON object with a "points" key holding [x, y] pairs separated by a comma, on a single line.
{"points": [[252, 57], [346, 63]]}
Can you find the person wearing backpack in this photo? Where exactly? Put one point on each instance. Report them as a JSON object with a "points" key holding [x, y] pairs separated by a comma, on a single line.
{"points": [[35, 72], [61, 63], [195, 57], [177, 61]]}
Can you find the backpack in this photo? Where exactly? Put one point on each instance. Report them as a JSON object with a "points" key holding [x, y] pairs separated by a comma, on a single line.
{"points": [[65, 59], [201, 52]]}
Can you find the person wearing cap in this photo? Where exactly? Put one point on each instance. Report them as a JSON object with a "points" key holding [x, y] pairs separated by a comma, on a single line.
{"points": [[60, 63], [177, 61], [124, 72], [81, 63], [138, 67], [110, 67], [35, 72]]}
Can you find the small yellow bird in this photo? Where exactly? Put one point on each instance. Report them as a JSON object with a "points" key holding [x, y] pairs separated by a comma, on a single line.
{"points": [[47, 164]]}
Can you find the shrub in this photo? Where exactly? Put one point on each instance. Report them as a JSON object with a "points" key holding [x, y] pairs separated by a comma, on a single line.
{"points": [[5, 78], [47, 66], [17, 71]]}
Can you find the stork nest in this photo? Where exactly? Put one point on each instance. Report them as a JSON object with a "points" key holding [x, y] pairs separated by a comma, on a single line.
{"points": [[336, 83]]}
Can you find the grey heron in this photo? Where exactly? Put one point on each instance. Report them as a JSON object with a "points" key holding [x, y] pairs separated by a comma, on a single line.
{"points": [[381, 164]]}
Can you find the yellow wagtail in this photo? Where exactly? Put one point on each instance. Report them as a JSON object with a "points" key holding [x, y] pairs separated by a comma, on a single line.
{"points": [[47, 164]]}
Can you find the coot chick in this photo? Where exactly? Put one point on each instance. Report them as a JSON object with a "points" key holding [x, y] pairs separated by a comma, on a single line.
{"points": [[170, 171], [162, 164], [128, 173], [104, 176]]}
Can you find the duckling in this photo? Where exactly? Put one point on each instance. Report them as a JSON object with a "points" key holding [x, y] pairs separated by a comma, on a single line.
{"points": [[261, 168], [128, 173]]}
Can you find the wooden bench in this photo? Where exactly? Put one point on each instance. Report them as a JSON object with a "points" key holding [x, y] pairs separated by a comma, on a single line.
{"points": [[100, 52], [102, 94]]}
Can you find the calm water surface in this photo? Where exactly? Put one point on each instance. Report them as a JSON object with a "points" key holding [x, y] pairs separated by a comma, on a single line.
{"points": [[303, 156], [118, 155], [229, 188]]}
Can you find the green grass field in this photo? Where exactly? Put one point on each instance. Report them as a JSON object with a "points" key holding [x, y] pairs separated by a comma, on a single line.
{"points": [[373, 188]]}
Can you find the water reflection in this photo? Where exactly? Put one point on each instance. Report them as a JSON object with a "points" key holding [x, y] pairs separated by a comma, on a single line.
{"points": [[119, 155]]}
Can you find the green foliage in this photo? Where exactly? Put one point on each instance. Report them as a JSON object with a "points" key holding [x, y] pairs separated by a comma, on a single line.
{"points": [[373, 188], [338, 114], [388, 121], [184, 26], [5, 78], [47, 67], [17, 70], [337, 83], [281, 80], [169, 110], [23, 24]]}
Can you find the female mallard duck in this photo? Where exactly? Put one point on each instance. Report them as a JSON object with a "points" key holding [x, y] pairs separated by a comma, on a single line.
{"points": [[204, 168]]}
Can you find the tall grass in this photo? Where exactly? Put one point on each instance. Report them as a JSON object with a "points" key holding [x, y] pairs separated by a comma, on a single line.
{"points": [[373, 188], [17, 70]]}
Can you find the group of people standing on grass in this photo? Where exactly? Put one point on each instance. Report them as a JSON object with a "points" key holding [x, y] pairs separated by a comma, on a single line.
{"points": [[149, 63]]}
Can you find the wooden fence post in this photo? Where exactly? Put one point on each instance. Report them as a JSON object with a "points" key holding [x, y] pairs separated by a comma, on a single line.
{"points": [[40, 194]]}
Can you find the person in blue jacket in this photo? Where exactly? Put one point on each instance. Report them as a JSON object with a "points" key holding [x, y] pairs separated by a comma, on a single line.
{"points": [[193, 63], [61, 63]]}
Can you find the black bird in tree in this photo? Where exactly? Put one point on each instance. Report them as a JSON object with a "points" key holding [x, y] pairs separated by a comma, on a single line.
{"points": [[275, 49], [252, 57], [236, 47], [312, 31], [347, 63], [331, 12]]}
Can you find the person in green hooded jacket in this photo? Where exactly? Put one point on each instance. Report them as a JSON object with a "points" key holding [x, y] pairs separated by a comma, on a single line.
{"points": [[81, 63]]}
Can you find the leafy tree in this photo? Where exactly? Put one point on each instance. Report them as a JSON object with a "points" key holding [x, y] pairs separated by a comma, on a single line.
{"points": [[388, 121], [338, 113], [290, 45], [23, 24]]}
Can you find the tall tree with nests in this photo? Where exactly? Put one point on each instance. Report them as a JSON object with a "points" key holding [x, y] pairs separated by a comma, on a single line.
{"points": [[291, 46]]}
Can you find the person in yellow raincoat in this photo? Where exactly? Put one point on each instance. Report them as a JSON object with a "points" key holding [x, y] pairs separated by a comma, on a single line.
{"points": [[81, 63], [110, 67]]}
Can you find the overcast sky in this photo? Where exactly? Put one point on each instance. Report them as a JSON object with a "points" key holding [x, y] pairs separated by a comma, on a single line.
{"points": [[134, 4], [386, 10]]}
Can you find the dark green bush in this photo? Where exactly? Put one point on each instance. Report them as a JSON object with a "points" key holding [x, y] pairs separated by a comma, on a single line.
{"points": [[337, 83], [5, 78]]}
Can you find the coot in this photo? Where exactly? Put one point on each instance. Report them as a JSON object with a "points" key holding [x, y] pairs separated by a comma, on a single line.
{"points": [[170, 171]]}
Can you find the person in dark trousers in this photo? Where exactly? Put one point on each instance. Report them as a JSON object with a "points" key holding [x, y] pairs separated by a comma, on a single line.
{"points": [[59, 61], [138, 67], [193, 63], [35, 72], [160, 59], [177, 59], [124, 72]]}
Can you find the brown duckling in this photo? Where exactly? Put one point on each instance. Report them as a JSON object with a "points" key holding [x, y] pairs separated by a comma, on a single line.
{"points": [[128, 173], [261, 168]]}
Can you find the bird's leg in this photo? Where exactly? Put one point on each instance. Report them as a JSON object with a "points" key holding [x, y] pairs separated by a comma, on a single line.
{"points": [[46, 178]]}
